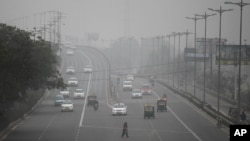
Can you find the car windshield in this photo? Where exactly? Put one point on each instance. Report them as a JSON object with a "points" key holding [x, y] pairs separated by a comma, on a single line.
{"points": [[67, 102], [119, 105], [145, 87], [64, 89], [59, 97], [136, 91], [79, 90], [127, 83], [72, 78]]}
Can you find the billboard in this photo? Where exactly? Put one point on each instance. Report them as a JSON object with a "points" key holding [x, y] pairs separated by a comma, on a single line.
{"points": [[230, 55], [189, 55]]}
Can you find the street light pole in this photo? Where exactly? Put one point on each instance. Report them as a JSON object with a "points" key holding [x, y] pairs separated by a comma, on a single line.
{"points": [[220, 11], [178, 64], [153, 59], [186, 33], [205, 16], [174, 34], [168, 56], [158, 55], [162, 57], [141, 54], [241, 4], [195, 19]]}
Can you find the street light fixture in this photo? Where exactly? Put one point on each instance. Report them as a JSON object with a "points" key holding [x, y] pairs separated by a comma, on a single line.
{"points": [[195, 19], [241, 4], [205, 16], [220, 11]]}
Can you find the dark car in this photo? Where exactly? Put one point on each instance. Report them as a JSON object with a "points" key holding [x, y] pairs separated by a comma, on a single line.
{"points": [[59, 99]]}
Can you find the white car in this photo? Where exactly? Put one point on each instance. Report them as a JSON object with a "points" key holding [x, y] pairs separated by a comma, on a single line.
{"points": [[70, 52], [67, 105], [70, 70], [79, 93], [119, 109], [130, 77], [65, 93], [73, 81], [88, 69], [127, 85], [136, 93]]}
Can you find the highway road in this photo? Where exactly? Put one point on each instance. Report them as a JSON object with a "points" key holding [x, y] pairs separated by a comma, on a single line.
{"points": [[181, 122]]}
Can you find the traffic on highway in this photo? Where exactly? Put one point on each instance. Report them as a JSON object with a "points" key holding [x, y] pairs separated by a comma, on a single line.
{"points": [[74, 117], [139, 70]]}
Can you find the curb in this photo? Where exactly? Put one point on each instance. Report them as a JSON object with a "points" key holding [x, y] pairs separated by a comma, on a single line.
{"points": [[14, 124]]}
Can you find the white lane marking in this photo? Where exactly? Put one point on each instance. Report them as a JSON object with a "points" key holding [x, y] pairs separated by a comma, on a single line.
{"points": [[151, 124], [107, 81], [45, 130], [178, 118], [85, 102], [190, 130], [154, 130], [87, 92]]}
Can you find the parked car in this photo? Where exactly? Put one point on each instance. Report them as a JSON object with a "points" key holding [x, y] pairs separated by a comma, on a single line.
{"points": [[119, 109]]}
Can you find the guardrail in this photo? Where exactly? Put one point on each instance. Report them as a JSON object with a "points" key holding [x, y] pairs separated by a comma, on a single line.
{"points": [[208, 109]]}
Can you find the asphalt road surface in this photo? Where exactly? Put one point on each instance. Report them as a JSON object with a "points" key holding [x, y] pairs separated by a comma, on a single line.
{"points": [[182, 121]]}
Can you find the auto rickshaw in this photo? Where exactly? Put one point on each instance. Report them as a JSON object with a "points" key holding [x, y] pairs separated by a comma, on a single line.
{"points": [[91, 100], [149, 111], [161, 105]]}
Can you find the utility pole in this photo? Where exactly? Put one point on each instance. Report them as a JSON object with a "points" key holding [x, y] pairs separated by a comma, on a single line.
{"points": [[195, 19], [241, 4], [205, 16], [220, 11]]}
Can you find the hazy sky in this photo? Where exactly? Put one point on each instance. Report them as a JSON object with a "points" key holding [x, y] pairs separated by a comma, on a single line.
{"points": [[145, 18]]}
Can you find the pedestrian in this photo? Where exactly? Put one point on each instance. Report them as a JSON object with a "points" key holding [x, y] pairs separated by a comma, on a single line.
{"points": [[125, 130], [243, 116]]}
